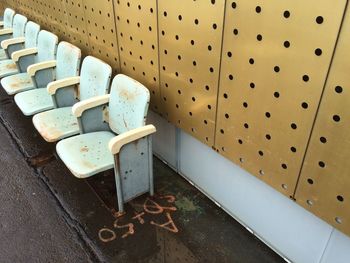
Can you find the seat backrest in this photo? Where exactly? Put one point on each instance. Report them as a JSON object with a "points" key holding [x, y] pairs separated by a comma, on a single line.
{"points": [[19, 24], [68, 60], [128, 104], [95, 77], [8, 17], [47, 46], [31, 34]]}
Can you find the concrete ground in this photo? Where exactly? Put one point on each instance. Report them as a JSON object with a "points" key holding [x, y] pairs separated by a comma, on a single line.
{"points": [[32, 224], [48, 215]]}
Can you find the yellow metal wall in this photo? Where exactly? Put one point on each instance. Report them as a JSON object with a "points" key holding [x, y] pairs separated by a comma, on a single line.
{"points": [[2, 8], [256, 80], [272, 77], [324, 186]]}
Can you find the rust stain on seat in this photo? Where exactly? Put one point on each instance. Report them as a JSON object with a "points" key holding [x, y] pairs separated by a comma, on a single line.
{"points": [[84, 149], [88, 164], [126, 94], [105, 115], [14, 85], [50, 134], [19, 83], [125, 123], [11, 66]]}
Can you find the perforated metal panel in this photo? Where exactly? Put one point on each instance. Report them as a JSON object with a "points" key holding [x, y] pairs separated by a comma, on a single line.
{"points": [[16, 5], [23, 8], [2, 8], [39, 12], [274, 63], [190, 34], [138, 44], [102, 32], [76, 30], [56, 17], [324, 186]]}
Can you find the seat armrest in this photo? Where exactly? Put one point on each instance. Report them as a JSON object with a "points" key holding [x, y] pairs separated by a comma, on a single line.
{"points": [[53, 86], [6, 31], [116, 143], [84, 105], [33, 69], [1, 23], [12, 41], [24, 52]]}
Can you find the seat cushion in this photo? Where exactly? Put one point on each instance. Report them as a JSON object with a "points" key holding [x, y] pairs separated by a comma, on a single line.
{"points": [[34, 101], [3, 54], [87, 154], [8, 68], [17, 83], [56, 124]]}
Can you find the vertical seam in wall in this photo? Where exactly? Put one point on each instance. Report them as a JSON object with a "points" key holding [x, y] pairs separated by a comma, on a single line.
{"points": [[116, 36], [159, 83], [321, 97], [219, 75], [85, 24], [48, 21], [325, 247]]}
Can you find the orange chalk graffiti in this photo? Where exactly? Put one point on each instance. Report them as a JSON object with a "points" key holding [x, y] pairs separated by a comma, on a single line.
{"points": [[157, 208], [130, 226], [107, 239], [139, 217], [169, 198], [149, 206], [173, 227]]}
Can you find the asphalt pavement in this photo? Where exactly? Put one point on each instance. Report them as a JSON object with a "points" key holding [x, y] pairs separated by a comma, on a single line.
{"points": [[33, 227]]}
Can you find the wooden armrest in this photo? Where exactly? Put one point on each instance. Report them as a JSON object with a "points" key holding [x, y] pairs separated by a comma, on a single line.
{"points": [[81, 106], [53, 86], [33, 69], [6, 31], [24, 52], [12, 41], [116, 143]]}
